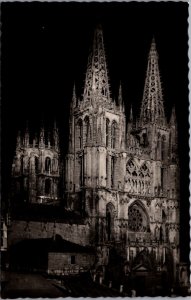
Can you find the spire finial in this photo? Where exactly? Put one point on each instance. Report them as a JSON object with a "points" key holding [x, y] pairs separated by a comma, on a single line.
{"points": [[18, 139], [173, 116], [42, 135], [131, 114], [56, 135], [120, 98], [96, 82], [74, 98], [26, 138], [152, 108]]}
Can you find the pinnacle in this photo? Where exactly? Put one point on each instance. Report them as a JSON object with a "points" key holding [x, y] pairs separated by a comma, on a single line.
{"points": [[131, 114], [173, 116]]}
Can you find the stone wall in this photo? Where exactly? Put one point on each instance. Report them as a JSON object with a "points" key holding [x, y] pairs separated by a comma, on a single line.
{"points": [[74, 233], [61, 263]]}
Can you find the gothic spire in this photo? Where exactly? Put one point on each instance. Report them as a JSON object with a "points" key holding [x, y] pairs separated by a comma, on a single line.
{"points": [[152, 108], [96, 82], [74, 98]]}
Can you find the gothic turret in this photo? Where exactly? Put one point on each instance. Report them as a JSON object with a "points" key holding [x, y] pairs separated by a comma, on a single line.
{"points": [[96, 83], [152, 108], [26, 136], [120, 99], [42, 136], [56, 136]]}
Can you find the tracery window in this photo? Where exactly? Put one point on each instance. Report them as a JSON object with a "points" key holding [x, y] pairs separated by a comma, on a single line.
{"points": [[131, 167], [137, 219], [113, 134], [137, 179]]}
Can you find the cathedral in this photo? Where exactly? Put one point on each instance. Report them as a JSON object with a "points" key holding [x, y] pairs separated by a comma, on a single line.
{"points": [[119, 180]]}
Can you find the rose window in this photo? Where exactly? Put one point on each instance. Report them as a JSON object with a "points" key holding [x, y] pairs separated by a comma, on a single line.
{"points": [[137, 219]]}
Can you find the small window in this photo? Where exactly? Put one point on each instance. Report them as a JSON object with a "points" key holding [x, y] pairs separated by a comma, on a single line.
{"points": [[73, 259], [47, 164]]}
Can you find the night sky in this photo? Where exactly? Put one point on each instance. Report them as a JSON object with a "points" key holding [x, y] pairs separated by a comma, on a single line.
{"points": [[45, 48]]}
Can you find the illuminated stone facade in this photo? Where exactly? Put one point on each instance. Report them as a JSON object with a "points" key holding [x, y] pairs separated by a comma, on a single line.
{"points": [[121, 177]]}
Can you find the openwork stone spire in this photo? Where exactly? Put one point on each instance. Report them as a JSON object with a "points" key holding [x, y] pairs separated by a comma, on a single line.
{"points": [[152, 109], [96, 83]]}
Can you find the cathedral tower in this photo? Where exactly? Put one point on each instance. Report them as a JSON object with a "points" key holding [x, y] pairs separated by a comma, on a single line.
{"points": [[36, 167]]}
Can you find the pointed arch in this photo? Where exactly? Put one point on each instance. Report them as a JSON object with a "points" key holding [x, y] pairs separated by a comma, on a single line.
{"points": [[113, 134], [130, 166], [138, 219], [87, 129], [47, 164], [79, 134]]}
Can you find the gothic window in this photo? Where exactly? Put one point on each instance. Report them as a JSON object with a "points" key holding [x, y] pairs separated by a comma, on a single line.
{"points": [[107, 133], [109, 221], [130, 167], [87, 129], [36, 164], [163, 148], [81, 171], [137, 219], [47, 186], [47, 164], [144, 171], [80, 133], [112, 170], [107, 165], [108, 218], [113, 134]]}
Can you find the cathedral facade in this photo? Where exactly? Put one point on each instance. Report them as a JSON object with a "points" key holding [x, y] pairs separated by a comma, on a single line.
{"points": [[121, 178]]}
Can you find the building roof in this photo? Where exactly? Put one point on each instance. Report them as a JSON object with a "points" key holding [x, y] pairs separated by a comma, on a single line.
{"points": [[47, 213]]}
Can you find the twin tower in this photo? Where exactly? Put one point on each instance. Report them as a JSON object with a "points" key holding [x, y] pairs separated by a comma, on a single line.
{"points": [[122, 177]]}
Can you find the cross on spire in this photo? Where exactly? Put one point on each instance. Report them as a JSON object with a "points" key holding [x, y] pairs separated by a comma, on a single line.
{"points": [[152, 108], [96, 82]]}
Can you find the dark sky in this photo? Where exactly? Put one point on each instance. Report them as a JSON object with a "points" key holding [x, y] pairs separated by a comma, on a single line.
{"points": [[45, 48]]}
